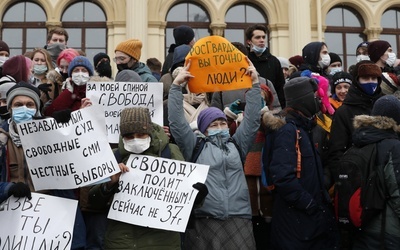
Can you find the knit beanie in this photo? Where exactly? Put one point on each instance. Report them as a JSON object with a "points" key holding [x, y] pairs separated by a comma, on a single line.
{"points": [[180, 53], [376, 49], [335, 57], [299, 95], [135, 120], [80, 61], [389, 83], [341, 77], [296, 61], [98, 57], [207, 116], [24, 89], [127, 75], [183, 35], [4, 88], [4, 47], [284, 62], [388, 106], [131, 47]]}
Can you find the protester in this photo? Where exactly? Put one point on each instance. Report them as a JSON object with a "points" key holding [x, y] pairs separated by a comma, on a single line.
{"points": [[127, 56], [362, 52], [381, 53], [17, 69], [139, 136], [390, 83], [382, 127], [155, 66], [63, 61], [101, 62], [41, 65], [4, 54], [302, 213], [316, 58], [224, 220], [335, 65]]}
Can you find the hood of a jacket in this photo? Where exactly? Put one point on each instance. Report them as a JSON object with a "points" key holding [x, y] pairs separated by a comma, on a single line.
{"points": [[311, 52]]}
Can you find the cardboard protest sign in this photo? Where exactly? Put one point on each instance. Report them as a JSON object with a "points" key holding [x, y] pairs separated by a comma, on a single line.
{"points": [[69, 155], [44, 222], [217, 65], [115, 96], [157, 192]]}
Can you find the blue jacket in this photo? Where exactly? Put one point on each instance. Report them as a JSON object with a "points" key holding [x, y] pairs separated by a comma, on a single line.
{"points": [[228, 193], [302, 216]]}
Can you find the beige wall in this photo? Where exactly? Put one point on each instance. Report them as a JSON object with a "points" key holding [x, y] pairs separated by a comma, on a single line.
{"points": [[293, 23]]}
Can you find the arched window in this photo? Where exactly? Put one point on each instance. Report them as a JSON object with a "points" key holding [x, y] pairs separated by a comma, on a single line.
{"points": [[344, 32], [241, 16], [390, 22], [189, 14], [87, 28], [24, 27]]}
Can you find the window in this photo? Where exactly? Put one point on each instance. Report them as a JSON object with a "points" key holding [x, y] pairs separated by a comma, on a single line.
{"points": [[87, 28], [390, 22], [343, 33], [238, 18], [24, 27], [189, 14]]}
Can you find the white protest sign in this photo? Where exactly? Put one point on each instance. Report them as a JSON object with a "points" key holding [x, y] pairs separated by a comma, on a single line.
{"points": [[115, 96], [44, 222], [71, 155], [157, 192]]}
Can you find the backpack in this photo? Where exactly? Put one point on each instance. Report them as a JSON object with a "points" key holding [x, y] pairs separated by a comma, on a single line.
{"points": [[359, 192], [201, 141]]}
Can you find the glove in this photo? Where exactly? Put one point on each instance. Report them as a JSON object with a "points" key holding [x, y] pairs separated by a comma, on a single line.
{"points": [[62, 116], [201, 195], [45, 87], [20, 189]]}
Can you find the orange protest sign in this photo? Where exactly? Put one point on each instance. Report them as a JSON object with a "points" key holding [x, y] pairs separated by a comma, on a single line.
{"points": [[217, 65]]}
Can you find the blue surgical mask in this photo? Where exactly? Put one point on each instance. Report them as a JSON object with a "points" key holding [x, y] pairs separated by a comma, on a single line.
{"points": [[22, 114], [335, 70], [221, 132], [39, 69], [258, 50], [369, 88]]}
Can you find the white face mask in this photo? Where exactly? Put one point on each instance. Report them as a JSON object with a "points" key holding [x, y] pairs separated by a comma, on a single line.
{"points": [[391, 59], [3, 59], [137, 145], [362, 58], [325, 61], [80, 78]]}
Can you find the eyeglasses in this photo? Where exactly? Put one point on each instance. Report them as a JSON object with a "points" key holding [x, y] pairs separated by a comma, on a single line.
{"points": [[120, 59]]}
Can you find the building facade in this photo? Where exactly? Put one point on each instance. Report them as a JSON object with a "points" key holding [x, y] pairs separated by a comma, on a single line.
{"points": [[99, 25]]}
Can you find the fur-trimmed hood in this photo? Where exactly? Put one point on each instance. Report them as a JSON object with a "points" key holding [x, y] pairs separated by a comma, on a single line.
{"points": [[272, 121], [379, 122]]}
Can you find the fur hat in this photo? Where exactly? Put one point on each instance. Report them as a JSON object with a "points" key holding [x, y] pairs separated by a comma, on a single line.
{"points": [[367, 70], [183, 35], [24, 89], [299, 95], [387, 105], [80, 61], [377, 48], [4, 46], [131, 47], [207, 116], [135, 120], [389, 83]]}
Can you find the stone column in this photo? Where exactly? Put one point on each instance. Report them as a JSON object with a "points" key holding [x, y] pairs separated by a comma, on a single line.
{"points": [[136, 23], [299, 24]]}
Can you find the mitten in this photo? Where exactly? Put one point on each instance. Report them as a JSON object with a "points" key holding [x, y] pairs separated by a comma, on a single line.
{"points": [[20, 189], [201, 195], [62, 116]]}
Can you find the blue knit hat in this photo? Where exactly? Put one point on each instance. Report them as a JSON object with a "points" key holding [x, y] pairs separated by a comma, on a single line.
{"points": [[80, 61], [207, 116]]}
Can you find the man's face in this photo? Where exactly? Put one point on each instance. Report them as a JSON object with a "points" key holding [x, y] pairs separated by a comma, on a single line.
{"points": [[122, 58], [324, 51], [22, 100], [258, 39], [56, 38]]}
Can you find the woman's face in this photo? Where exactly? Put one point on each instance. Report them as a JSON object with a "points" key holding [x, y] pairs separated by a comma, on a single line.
{"points": [[341, 90], [39, 58], [217, 124], [63, 65]]}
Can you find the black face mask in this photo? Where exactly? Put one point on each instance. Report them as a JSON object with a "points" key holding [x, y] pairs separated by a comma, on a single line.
{"points": [[64, 75], [122, 66], [104, 69], [4, 114]]}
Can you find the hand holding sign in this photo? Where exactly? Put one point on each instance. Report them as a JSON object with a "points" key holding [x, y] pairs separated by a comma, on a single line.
{"points": [[183, 75], [251, 71], [217, 65]]}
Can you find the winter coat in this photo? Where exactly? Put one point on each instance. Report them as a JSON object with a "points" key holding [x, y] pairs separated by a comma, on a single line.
{"points": [[144, 72], [67, 100], [4, 188], [302, 216], [269, 67], [311, 53], [124, 236], [228, 193], [383, 131], [355, 103]]}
